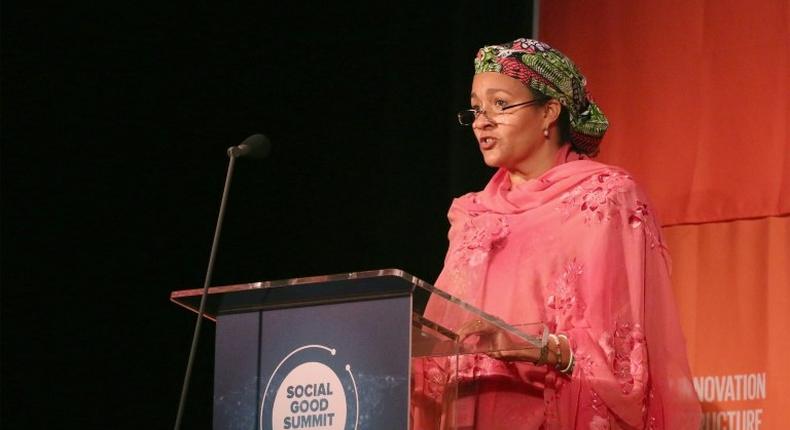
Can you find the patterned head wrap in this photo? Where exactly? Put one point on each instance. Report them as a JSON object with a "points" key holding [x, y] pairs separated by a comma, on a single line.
{"points": [[549, 72]]}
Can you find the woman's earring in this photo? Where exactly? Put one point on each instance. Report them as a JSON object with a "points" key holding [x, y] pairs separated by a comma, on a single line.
{"points": [[546, 132]]}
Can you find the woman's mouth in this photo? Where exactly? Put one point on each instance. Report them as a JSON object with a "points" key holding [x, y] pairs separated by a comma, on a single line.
{"points": [[487, 143]]}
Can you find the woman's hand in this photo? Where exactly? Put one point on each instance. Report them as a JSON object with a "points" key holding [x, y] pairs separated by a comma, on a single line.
{"points": [[480, 336]]}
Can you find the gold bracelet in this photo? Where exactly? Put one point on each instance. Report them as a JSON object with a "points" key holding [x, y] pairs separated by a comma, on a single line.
{"points": [[558, 364], [571, 360], [569, 370]]}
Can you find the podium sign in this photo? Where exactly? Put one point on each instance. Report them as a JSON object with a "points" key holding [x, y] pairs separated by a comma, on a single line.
{"points": [[333, 352]]}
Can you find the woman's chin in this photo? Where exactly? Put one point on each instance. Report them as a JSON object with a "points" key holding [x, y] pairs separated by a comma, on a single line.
{"points": [[491, 160]]}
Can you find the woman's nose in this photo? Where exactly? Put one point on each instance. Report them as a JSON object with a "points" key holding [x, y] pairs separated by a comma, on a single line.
{"points": [[482, 120]]}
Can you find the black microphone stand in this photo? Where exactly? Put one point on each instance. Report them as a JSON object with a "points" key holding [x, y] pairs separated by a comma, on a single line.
{"points": [[217, 230]]}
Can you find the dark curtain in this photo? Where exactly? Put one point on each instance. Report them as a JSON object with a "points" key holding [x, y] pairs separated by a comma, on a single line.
{"points": [[115, 120]]}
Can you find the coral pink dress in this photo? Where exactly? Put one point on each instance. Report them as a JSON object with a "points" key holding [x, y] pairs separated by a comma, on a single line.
{"points": [[579, 249]]}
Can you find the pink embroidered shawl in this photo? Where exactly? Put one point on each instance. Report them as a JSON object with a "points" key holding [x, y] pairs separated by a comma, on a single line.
{"points": [[579, 249]]}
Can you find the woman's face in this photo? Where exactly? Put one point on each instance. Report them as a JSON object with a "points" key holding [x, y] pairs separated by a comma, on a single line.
{"points": [[512, 139]]}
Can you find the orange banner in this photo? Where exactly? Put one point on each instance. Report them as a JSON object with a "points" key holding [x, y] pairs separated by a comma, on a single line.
{"points": [[697, 96], [732, 284]]}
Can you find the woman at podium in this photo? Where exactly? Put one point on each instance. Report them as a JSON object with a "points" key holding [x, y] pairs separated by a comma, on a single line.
{"points": [[558, 238]]}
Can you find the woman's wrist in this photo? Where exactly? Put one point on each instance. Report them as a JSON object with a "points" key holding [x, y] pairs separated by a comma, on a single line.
{"points": [[544, 355], [557, 353]]}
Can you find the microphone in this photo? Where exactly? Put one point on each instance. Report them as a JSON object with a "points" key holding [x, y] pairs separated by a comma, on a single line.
{"points": [[255, 146]]}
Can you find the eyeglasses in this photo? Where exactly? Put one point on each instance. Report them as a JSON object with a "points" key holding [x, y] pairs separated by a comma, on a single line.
{"points": [[467, 117]]}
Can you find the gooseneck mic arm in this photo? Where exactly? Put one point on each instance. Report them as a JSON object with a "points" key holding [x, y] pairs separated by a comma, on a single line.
{"points": [[255, 146]]}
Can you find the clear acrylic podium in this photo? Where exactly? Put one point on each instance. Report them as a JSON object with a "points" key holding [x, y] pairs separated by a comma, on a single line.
{"points": [[337, 351]]}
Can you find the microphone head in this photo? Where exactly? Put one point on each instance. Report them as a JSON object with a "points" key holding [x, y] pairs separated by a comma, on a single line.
{"points": [[255, 146]]}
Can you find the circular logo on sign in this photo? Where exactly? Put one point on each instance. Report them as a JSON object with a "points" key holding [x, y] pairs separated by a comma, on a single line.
{"points": [[310, 396], [310, 389]]}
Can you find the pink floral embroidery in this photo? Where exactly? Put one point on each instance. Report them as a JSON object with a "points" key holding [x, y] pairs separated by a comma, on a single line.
{"points": [[586, 363], [638, 215], [626, 340], [624, 352], [481, 236], [595, 197], [605, 342], [562, 302], [638, 219], [435, 379]]}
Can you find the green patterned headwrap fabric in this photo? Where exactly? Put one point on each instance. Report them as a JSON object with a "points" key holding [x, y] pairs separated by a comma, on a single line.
{"points": [[549, 72]]}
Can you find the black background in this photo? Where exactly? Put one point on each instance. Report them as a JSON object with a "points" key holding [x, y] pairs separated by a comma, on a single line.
{"points": [[115, 121]]}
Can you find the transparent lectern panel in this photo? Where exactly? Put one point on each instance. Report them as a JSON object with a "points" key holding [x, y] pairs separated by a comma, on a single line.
{"points": [[441, 324], [447, 325]]}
